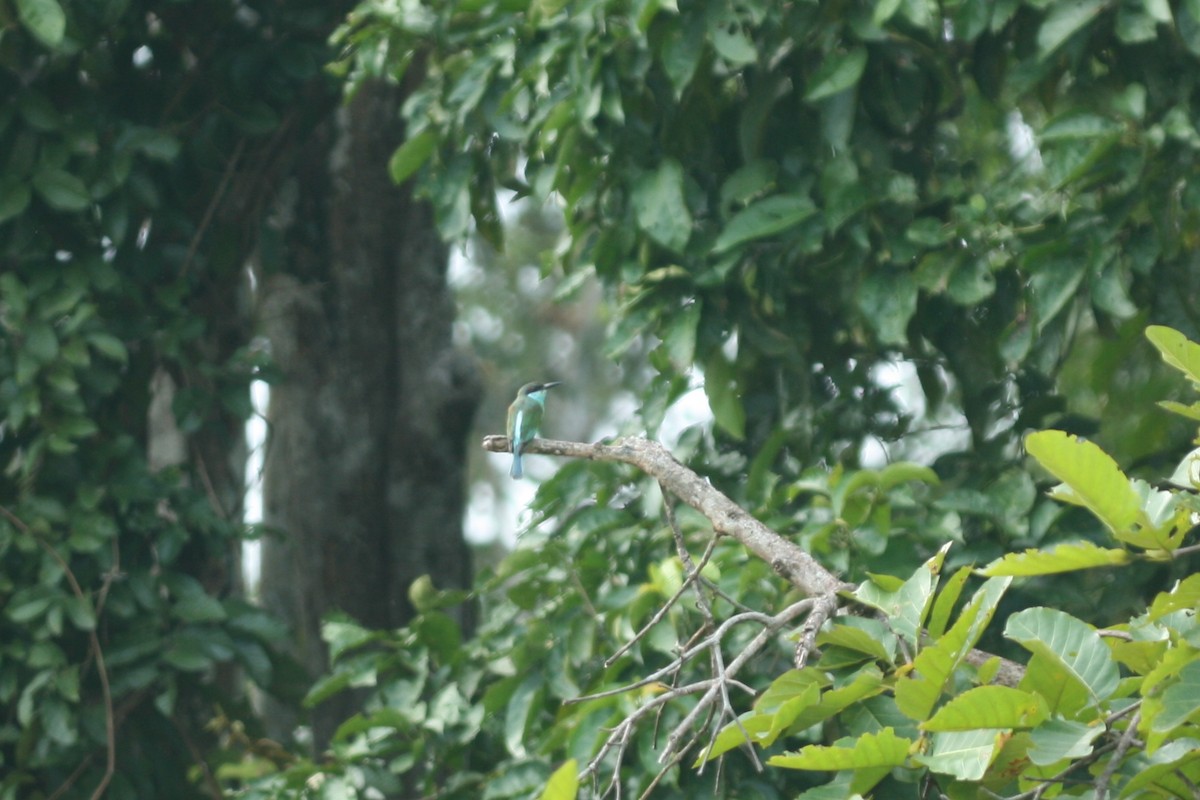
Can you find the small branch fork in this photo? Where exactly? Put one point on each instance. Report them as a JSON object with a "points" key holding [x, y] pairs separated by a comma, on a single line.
{"points": [[714, 708]]}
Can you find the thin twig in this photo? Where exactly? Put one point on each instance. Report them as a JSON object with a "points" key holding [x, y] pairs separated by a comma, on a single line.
{"points": [[1114, 762], [659, 614], [217, 195], [806, 645]]}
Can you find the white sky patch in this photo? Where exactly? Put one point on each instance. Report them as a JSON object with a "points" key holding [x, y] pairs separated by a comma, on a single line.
{"points": [[252, 513], [1022, 144]]}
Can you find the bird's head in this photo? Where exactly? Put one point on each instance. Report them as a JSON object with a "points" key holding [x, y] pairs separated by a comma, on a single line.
{"points": [[536, 391]]}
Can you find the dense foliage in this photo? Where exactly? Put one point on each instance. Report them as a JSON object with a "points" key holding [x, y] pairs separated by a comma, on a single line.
{"points": [[788, 197], [580, 640], [783, 197], [778, 198], [127, 212]]}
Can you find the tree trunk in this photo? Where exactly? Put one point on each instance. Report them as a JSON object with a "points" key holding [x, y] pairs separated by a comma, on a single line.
{"points": [[365, 464]]}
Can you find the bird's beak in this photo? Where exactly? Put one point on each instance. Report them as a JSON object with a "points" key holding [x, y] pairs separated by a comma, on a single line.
{"points": [[551, 384]]}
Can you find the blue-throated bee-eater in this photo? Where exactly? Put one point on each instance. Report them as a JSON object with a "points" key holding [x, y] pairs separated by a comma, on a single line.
{"points": [[525, 418]]}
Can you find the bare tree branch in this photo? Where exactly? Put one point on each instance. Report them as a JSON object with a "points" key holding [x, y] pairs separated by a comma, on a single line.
{"points": [[727, 517]]}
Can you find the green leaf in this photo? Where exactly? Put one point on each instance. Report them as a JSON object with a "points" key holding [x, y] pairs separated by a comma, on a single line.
{"points": [[868, 682], [563, 784], [962, 754], [1072, 644], [519, 711], [40, 342], [904, 471], [343, 634], [839, 72], [763, 218], [356, 671], [773, 713], [187, 653], [871, 756], [192, 603], [660, 207], [1055, 277], [1177, 350], [872, 638], [14, 199], [1064, 20], [1046, 677], [989, 707], [906, 607], [1061, 558], [1185, 594], [1181, 700], [44, 19], [947, 598], [1094, 479], [720, 385], [1163, 768], [1190, 411], [888, 301], [1058, 739], [108, 346], [151, 142], [918, 692], [61, 190], [680, 336], [410, 156], [733, 45]]}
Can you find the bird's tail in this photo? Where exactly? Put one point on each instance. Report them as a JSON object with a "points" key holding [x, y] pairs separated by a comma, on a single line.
{"points": [[516, 471]]}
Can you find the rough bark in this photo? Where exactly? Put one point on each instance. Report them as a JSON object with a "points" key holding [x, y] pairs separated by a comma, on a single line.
{"points": [[365, 468]]}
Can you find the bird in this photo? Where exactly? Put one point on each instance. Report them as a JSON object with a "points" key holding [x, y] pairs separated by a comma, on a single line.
{"points": [[524, 419]]}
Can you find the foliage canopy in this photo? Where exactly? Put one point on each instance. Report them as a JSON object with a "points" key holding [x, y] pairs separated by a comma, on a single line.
{"points": [[787, 195]]}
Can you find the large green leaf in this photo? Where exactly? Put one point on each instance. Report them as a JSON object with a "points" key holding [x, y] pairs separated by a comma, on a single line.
{"points": [[1062, 558], [723, 397], [1185, 594], [412, 155], [1064, 20], [1181, 700], [14, 198], [1177, 350], [840, 71], [989, 707], [1057, 739], [870, 756], [519, 711], [660, 207], [1093, 477], [61, 190], [766, 217], [1072, 644], [44, 19], [963, 754], [888, 301], [563, 784]]}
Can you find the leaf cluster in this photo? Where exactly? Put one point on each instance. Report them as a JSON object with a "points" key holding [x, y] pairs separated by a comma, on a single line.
{"points": [[831, 186], [895, 701], [124, 370]]}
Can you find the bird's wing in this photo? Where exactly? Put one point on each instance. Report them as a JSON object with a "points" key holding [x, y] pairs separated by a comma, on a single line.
{"points": [[516, 424]]}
